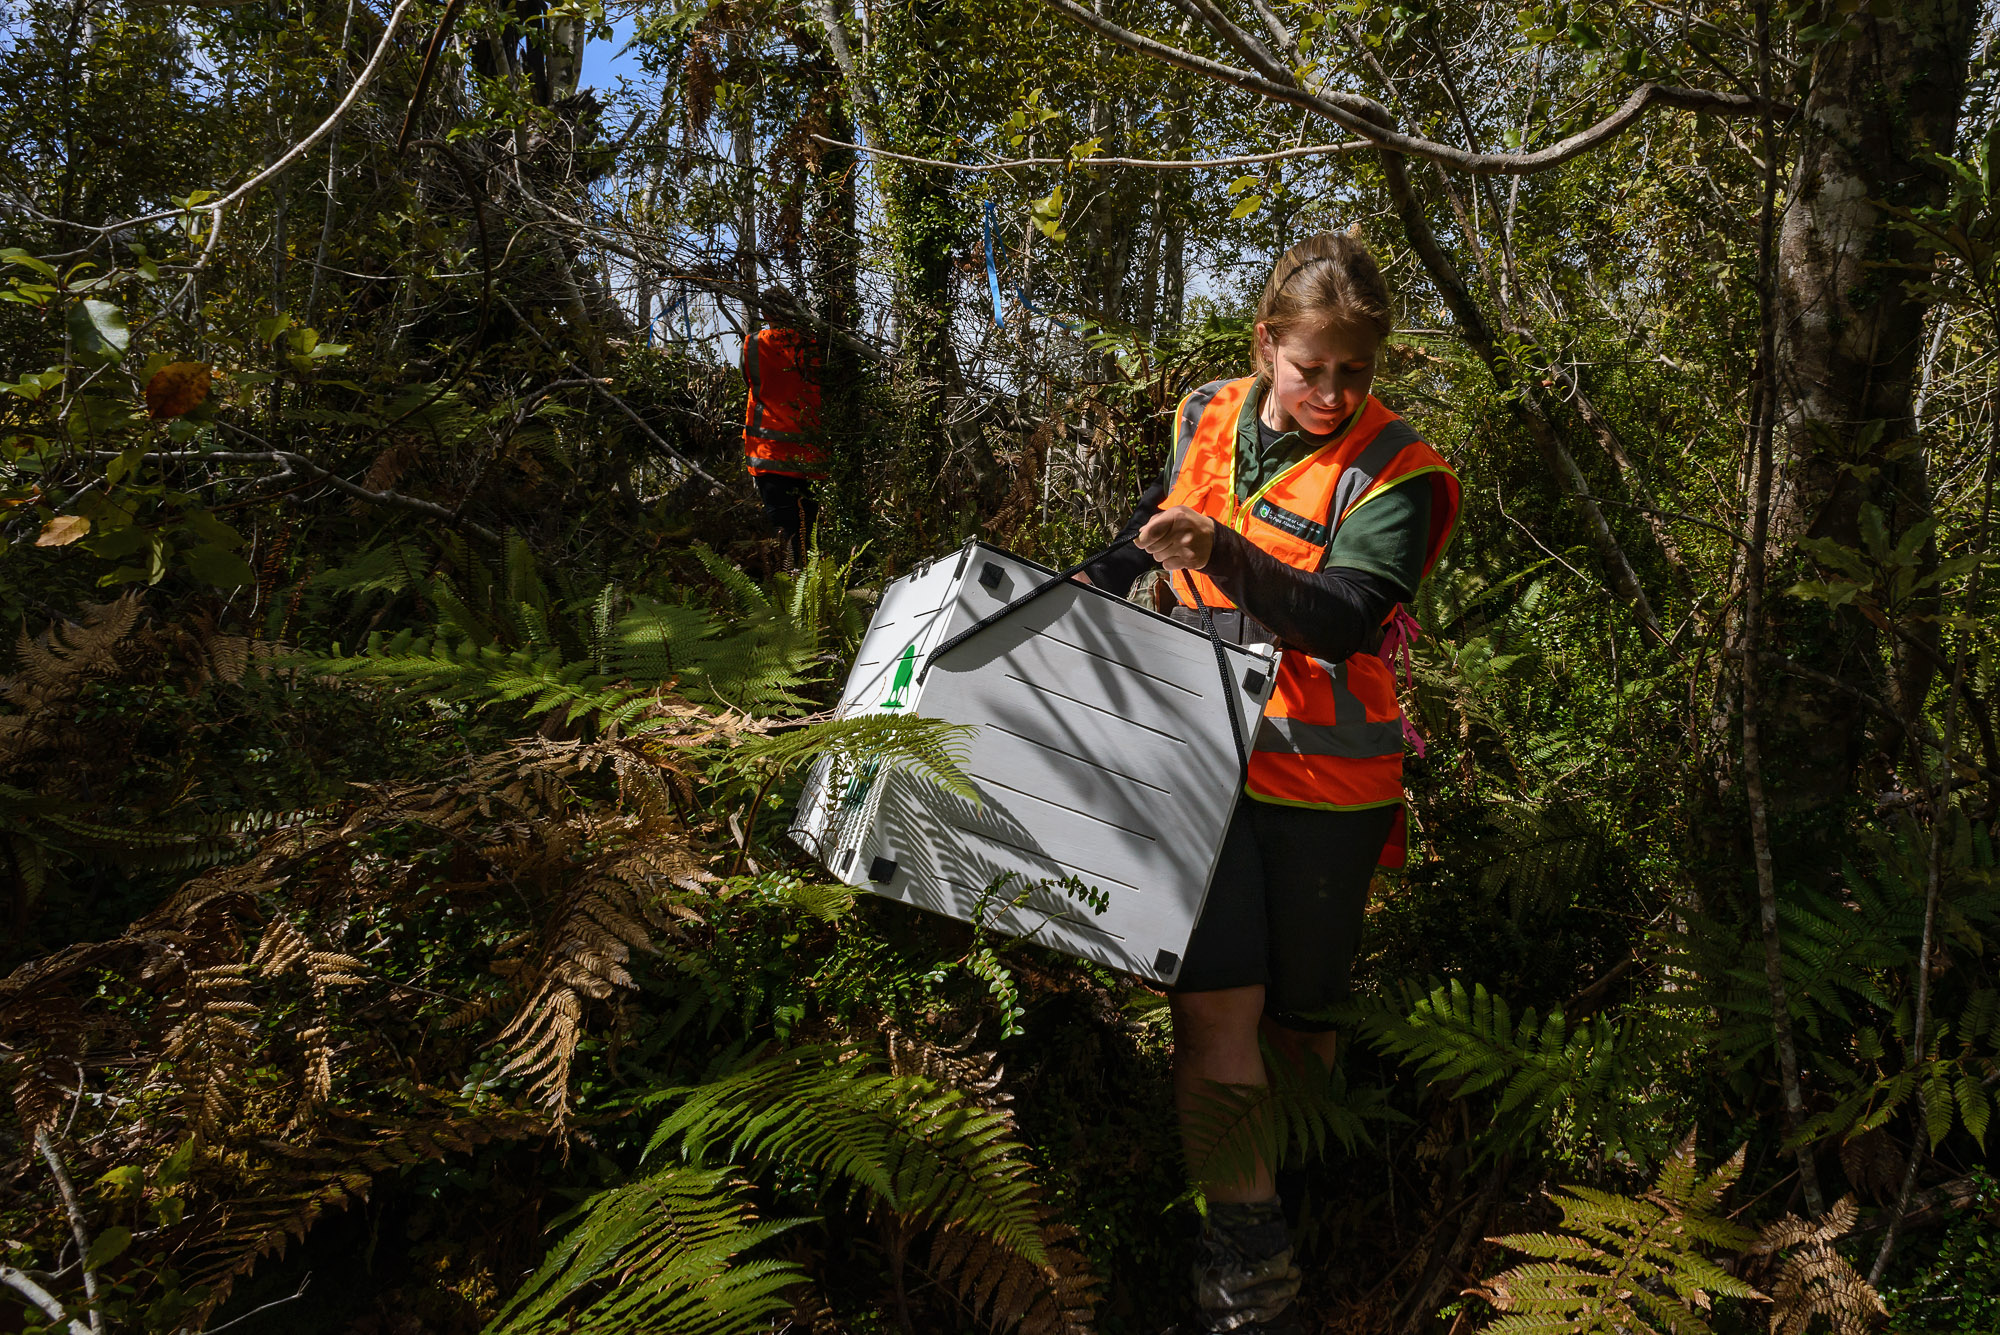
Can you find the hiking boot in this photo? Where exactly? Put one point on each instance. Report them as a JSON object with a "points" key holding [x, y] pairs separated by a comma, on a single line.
{"points": [[1244, 1279]]}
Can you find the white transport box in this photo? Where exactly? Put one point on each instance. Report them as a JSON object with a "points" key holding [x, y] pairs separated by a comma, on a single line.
{"points": [[1101, 751]]}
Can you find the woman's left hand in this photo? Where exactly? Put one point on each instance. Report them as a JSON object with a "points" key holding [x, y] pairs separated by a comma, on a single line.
{"points": [[1179, 539]]}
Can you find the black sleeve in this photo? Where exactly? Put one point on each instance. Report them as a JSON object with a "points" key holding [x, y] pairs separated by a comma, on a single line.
{"points": [[1328, 613], [1116, 569]]}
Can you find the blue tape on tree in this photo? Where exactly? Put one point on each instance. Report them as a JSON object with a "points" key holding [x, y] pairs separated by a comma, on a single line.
{"points": [[993, 270]]}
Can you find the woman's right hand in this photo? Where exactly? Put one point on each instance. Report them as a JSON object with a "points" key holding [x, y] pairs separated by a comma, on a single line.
{"points": [[1179, 539]]}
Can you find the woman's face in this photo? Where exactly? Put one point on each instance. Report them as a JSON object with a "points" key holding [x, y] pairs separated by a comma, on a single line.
{"points": [[1319, 377]]}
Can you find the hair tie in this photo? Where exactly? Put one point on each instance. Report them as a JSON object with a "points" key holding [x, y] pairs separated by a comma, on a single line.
{"points": [[1299, 267]]}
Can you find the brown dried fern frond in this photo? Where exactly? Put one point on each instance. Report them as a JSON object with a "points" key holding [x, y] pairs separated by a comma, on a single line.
{"points": [[72, 652], [298, 1184], [1814, 1279], [954, 1065], [283, 948], [1004, 1291]]}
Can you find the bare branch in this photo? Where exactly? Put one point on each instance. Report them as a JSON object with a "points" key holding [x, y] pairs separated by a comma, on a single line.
{"points": [[1348, 111], [393, 499], [77, 1227], [283, 162], [693, 469], [1159, 164], [40, 1297], [1286, 39]]}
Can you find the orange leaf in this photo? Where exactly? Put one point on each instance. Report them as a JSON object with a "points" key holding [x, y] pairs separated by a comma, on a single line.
{"points": [[177, 389], [63, 530]]}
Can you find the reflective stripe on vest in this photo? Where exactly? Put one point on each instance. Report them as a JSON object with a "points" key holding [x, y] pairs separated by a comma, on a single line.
{"points": [[781, 415], [1332, 733]]}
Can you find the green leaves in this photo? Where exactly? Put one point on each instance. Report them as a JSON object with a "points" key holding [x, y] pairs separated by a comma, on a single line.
{"points": [[1030, 116], [1551, 1075], [107, 1247], [1297, 1115], [1046, 214], [217, 565], [98, 328], [1249, 204], [1886, 571]]}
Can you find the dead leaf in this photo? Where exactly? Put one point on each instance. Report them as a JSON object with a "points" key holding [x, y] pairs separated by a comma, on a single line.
{"points": [[177, 389], [62, 531]]}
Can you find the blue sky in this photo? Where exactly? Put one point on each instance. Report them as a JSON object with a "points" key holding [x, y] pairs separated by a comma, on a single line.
{"points": [[601, 62]]}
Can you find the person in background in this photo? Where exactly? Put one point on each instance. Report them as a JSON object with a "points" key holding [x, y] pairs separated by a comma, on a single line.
{"points": [[782, 442], [1304, 513]]}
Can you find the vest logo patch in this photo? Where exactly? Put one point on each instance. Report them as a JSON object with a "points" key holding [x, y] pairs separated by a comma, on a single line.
{"points": [[1298, 526]]}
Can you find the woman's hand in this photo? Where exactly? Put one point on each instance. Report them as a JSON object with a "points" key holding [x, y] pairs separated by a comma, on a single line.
{"points": [[1179, 539]]}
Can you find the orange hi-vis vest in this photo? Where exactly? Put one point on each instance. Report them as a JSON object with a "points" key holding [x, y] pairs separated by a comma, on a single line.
{"points": [[1332, 734], [781, 429]]}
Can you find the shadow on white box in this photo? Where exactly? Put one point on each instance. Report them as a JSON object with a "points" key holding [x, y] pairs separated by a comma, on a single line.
{"points": [[1100, 750]]}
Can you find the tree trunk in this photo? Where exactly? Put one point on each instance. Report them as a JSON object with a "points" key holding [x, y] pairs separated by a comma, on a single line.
{"points": [[835, 251], [926, 218], [1850, 337]]}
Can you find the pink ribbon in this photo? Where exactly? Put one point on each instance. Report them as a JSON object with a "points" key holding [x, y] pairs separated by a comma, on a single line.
{"points": [[1398, 635]]}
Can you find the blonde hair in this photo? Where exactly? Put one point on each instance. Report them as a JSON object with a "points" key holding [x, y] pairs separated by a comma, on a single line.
{"points": [[1325, 280]]}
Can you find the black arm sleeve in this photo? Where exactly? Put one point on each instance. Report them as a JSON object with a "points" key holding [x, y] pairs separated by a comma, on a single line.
{"points": [[1328, 613], [1116, 569]]}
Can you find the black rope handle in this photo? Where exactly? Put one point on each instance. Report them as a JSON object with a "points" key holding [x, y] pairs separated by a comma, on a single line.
{"points": [[1228, 682]]}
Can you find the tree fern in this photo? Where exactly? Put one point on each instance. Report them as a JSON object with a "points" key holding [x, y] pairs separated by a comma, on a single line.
{"points": [[661, 1254], [1625, 1265]]}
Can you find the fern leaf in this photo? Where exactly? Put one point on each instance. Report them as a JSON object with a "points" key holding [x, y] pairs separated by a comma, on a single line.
{"points": [[1625, 1266], [660, 1254], [927, 1155]]}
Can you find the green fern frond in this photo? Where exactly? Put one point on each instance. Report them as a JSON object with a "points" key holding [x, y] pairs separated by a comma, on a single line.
{"points": [[1625, 1265], [487, 675], [927, 1155], [932, 747], [748, 597], [1593, 1077], [659, 1254]]}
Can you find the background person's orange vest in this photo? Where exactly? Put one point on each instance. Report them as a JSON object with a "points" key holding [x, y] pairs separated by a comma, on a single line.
{"points": [[781, 429], [1332, 734]]}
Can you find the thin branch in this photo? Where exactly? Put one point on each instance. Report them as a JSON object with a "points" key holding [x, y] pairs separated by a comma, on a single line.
{"points": [[291, 155], [1933, 885], [386, 497], [690, 465], [77, 1227], [275, 1302], [1917, 727], [1286, 39], [1351, 112], [431, 50], [51, 1308], [1159, 164], [1763, 415]]}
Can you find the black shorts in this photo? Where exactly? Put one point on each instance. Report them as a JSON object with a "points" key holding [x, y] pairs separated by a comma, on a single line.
{"points": [[789, 505], [1284, 908]]}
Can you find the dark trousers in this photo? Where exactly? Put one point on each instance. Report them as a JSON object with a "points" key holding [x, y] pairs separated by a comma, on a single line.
{"points": [[792, 509]]}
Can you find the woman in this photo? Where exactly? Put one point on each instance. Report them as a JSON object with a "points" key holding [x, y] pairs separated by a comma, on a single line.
{"points": [[1307, 512]]}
